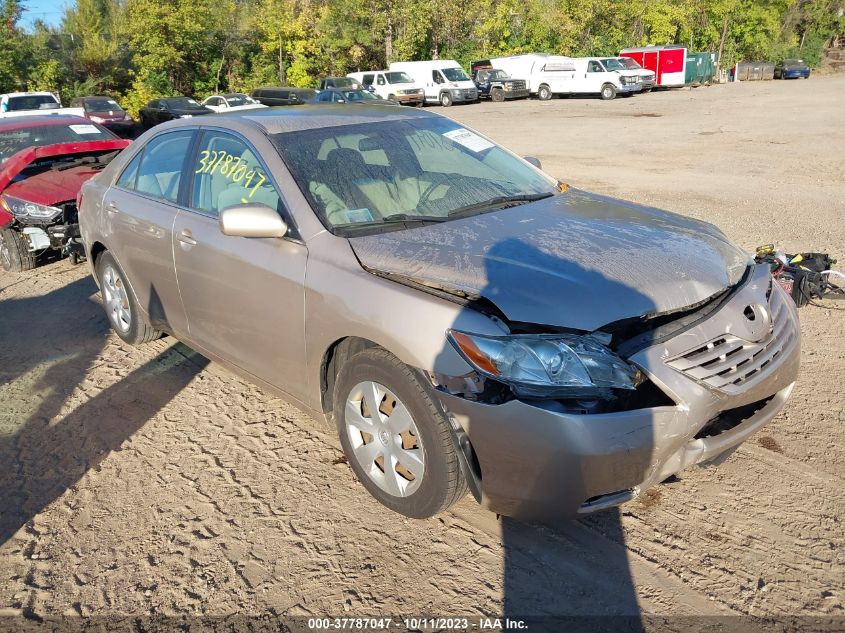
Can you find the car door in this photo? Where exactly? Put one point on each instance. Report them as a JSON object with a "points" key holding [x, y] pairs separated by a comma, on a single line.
{"points": [[244, 297], [141, 208], [595, 76]]}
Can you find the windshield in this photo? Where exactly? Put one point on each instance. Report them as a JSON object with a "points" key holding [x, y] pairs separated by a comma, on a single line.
{"points": [[182, 103], [13, 141], [498, 74], [629, 63], [613, 64], [454, 74], [398, 78], [32, 102], [101, 105], [239, 100], [422, 169]]}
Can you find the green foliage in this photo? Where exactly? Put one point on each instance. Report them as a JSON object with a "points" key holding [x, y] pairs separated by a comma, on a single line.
{"points": [[141, 49]]}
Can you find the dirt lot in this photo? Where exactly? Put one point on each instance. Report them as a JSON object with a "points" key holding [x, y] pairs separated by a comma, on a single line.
{"points": [[149, 481]]}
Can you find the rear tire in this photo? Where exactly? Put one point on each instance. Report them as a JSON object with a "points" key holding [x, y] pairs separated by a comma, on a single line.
{"points": [[15, 256], [445, 99], [120, 303], [409, 429], [608, 92], [544, 93]]}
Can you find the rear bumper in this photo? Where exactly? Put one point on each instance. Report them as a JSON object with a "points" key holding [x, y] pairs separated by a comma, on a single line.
{"points": [[539, 462], [795, 74]]}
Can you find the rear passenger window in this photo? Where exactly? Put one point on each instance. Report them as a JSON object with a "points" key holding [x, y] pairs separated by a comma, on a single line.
{"points": [[161, 166], [130, 174], [227, 172]]}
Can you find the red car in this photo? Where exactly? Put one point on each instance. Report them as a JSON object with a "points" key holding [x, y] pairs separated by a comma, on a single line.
{"points": [[44, 160]]}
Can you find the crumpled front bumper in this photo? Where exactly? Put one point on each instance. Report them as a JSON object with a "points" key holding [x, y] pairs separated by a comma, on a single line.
{"points": [[538, 462]]}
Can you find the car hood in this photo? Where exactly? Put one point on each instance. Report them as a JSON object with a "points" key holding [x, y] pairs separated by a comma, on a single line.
{"points": [[52, 187], [575, 260]]}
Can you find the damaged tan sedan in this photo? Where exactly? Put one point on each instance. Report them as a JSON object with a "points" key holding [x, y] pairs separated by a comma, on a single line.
{"points": [[466, 321]]}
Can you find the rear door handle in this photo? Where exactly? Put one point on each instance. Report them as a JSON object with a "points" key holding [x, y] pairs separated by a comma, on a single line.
{"points": [[186, 237]]}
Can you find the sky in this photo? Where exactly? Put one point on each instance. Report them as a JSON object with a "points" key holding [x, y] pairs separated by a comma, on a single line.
{"points": [[49, 11]]}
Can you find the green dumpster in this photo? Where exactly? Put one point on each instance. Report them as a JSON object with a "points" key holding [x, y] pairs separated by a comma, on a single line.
{"points": [[700, 68]]}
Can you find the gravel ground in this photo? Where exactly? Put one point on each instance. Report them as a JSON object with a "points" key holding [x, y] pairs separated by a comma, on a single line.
{"points": [[148, 481]]}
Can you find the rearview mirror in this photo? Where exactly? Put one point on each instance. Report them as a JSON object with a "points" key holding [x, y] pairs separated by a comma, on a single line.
{"points": [[534, 161], [252, 220]]}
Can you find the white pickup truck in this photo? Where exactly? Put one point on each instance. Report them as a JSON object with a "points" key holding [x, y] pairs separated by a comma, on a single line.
{"points": [[33, 103]]}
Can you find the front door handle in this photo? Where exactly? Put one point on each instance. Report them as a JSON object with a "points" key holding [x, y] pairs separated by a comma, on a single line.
{"points": [[186, 237], [112, 207]]}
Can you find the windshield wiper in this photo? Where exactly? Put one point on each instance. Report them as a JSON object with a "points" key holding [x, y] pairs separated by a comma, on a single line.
{"points": [[497, 202], [392, 220]]}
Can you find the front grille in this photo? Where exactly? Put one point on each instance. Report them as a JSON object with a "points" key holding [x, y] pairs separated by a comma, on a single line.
{"points": [[515, 85], [729, 363]]}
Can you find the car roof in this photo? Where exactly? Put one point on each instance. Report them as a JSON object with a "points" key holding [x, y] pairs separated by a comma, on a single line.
{"points": [[280, 120], [23, 122]]}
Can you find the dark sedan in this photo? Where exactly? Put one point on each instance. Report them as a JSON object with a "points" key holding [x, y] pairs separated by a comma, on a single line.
{"points": [[345, 95], [106, 111], [792, 69], [161, 110]]}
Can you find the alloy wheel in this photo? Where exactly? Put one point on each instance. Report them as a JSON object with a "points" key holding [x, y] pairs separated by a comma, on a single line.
{"points": [[116, 299], [384, 438]]}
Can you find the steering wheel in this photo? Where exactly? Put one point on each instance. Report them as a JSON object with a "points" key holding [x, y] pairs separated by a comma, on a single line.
{"points": [[439, 179]]}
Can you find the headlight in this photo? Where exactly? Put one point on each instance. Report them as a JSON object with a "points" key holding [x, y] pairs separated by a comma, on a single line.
{"points": [[26, 209], [537, 364], [97, 119]]}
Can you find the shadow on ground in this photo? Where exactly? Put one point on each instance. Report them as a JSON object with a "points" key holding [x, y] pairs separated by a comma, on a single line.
{"points": [[49, 344]]}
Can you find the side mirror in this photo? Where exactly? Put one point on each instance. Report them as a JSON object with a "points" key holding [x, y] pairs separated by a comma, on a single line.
{"points": [[252, 220], [534, 161]]}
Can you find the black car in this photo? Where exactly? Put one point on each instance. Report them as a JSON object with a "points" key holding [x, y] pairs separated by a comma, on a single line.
{"points": [[346, 95], [495, 84], [283, 96], [161, 110]]}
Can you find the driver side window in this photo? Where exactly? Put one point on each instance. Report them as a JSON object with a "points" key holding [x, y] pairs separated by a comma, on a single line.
{"points": [[436, 76]]}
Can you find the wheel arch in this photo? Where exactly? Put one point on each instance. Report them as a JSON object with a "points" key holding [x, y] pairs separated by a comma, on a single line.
{"points": [[335, 356]]}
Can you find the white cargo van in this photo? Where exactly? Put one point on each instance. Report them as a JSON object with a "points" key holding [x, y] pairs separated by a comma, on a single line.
{"points": [[550, 75], [443, 80], [391, 84], [546, 75], [593, 77]]}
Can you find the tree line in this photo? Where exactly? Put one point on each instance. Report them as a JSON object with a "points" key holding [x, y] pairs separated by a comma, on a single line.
{"points": [[140, 49]]}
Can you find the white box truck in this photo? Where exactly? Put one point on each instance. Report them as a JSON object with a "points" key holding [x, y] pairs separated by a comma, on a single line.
{"points": [[391, 84], [443, 80]]}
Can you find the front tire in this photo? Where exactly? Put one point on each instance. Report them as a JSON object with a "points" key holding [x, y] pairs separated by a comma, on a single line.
{"points": [[120, 303], [497, 95], [395, 437], [608, 92], [445, 99], [544, 93], [15, 256]]}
